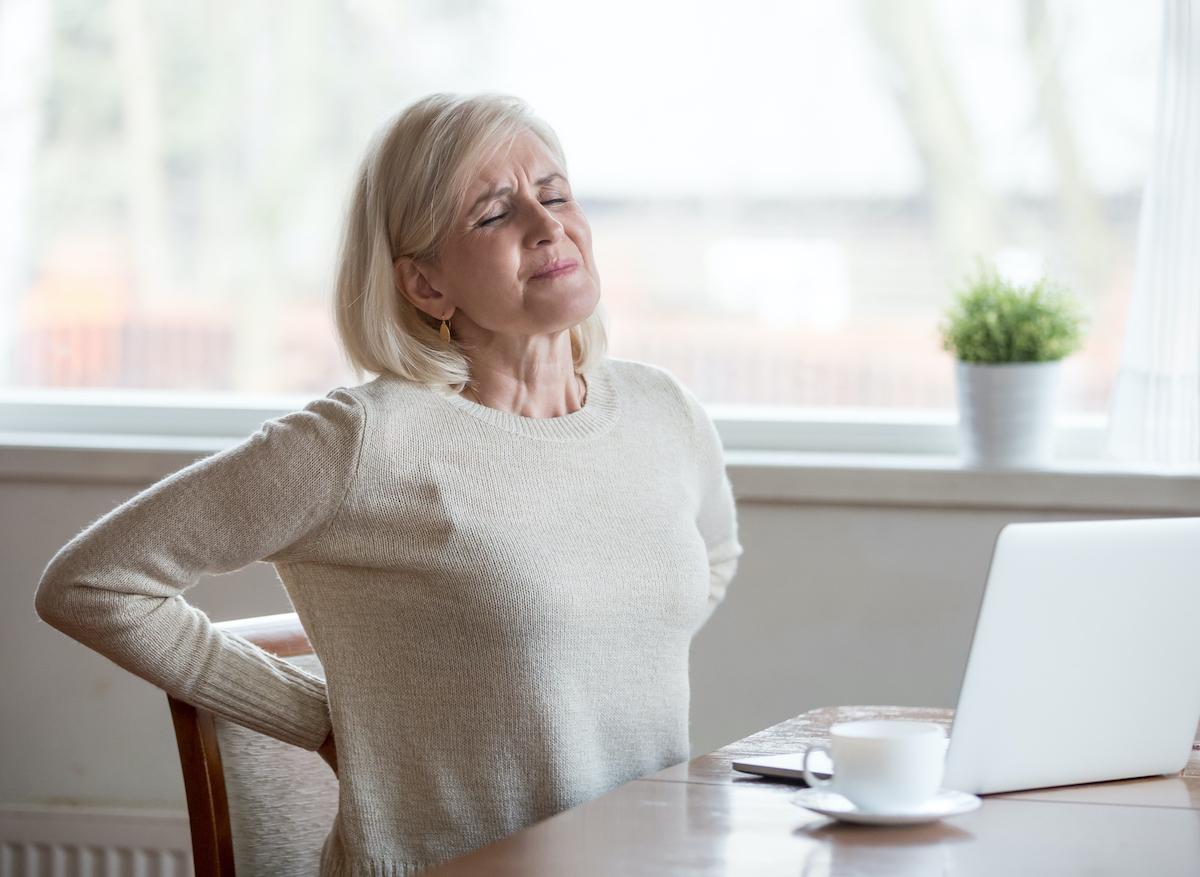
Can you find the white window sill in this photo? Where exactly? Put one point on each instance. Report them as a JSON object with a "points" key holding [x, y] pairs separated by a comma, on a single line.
{"points": [[942, 481], [766, 476]]}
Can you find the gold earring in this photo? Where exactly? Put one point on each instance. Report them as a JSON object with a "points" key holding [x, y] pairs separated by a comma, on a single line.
{"points": [[445, 331]]}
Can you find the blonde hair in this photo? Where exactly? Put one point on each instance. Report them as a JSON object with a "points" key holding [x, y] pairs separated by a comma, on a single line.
{"points": [[408, 191]]}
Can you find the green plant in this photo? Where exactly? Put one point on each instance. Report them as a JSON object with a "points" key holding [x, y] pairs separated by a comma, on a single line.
{"points": [[995, 321]]}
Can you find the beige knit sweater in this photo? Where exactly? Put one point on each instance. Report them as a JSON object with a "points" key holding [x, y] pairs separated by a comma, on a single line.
{"points": [[503, 605]]}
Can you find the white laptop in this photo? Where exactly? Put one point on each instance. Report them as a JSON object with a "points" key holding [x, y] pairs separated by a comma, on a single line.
{"points": [[1085, 664]]}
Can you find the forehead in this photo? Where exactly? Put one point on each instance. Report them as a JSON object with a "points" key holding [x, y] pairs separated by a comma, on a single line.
{"points": [[526, 152]]}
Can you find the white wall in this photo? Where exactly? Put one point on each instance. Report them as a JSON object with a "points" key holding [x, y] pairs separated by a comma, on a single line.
{"points": [[842, 600]]}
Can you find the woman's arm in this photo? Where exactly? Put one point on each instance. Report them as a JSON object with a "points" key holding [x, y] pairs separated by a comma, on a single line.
{"points": [[716, 517], [117, 587]]}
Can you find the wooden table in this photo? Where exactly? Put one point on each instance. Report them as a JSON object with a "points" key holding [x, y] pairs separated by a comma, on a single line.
{"points": [[701, 817]]}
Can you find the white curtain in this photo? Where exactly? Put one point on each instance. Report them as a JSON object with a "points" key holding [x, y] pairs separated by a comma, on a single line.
{"points": [[1155, 411]]}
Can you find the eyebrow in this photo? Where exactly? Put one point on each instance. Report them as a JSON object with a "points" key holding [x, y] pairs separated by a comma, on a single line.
{"points": [[495, 193]]}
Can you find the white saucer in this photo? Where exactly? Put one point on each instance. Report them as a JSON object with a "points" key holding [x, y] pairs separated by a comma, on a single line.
{"points": [[945, 803]]}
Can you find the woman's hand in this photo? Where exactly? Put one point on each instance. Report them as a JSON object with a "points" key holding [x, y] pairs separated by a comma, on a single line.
{"points": [[328, 751]]}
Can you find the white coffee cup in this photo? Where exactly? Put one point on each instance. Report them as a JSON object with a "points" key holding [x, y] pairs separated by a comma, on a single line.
{"points": [[883, 765]]}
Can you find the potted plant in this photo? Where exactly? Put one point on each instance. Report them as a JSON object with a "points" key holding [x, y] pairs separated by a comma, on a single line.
{"points": [[1009, 342]]}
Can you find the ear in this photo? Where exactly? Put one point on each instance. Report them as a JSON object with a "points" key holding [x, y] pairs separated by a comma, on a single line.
{"points": [[412, 282]]}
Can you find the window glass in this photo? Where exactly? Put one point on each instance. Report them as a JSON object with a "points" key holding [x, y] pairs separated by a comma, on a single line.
{"points": [[783, 195]]}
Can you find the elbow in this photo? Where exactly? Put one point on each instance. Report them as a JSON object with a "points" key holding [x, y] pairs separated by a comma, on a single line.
{"points": [[70, 607], [76, 600], [51, 601], [58, 596]]}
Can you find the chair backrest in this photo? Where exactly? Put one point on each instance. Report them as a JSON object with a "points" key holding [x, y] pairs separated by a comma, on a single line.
{"points": [[256, 805]]}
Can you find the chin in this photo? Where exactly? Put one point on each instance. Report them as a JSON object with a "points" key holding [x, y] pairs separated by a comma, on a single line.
{"points": [[570, 307], [587, 305]]}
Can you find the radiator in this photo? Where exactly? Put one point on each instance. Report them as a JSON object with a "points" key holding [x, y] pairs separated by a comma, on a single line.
{"points": [[93, 842]]}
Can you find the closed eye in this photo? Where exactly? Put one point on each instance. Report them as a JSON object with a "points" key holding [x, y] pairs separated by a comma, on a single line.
{"points": [[491, 219]]}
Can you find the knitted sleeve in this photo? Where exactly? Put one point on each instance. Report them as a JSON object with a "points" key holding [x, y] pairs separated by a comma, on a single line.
{"points": [[117, 586], [717, 515]]}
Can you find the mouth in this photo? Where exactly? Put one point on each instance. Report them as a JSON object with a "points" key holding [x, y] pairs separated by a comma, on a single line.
{"points": [[555, 269]]}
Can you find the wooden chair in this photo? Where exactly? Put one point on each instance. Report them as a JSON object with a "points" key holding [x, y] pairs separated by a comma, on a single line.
{"points": [[256, 805]]}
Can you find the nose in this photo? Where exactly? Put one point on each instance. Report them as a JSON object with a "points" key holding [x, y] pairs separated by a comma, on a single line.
{"points": [[544, 226]]}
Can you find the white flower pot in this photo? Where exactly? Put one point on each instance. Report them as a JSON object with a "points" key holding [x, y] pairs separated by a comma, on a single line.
{"points": [[1006, 413]]}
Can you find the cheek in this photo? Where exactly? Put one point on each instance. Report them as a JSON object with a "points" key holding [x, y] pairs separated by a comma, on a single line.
{"points": [[583, 237], [489, 260]]}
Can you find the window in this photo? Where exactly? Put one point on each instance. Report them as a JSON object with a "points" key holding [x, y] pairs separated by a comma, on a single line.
{"points": [[783, 194]]}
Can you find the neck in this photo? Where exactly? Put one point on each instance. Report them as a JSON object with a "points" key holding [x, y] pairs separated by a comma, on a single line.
{"points": [[528, 401]]}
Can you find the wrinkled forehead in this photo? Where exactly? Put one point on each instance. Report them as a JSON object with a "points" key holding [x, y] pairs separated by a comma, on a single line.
{"points": [[492, 162]]}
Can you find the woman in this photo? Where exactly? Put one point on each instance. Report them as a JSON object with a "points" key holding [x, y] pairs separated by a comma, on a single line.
{"points": [[500, 547]]}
